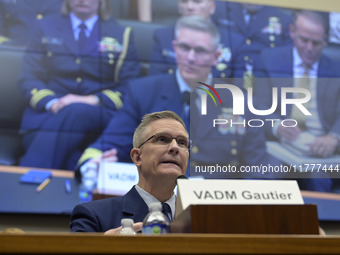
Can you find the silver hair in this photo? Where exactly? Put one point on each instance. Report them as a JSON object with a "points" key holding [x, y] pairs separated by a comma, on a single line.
{"points": [[199, 24], [138, 136]]}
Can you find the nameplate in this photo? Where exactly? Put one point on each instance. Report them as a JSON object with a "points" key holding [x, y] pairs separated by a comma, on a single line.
{"points": [[236, 192], [116, 178]]}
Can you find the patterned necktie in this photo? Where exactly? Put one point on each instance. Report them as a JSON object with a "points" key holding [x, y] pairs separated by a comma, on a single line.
{"points": [[82, 38], [303, 82], [167, 211]]}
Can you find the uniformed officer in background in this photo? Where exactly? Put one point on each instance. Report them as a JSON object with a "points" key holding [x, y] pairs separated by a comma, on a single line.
{"points": [[224, 143], [260, 27], [18, 18], [163, 92], [162, 59], [73, 79], [196, 47]]}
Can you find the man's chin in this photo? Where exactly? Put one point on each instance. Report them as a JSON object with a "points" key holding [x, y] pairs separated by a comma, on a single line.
{"points": [[175, 170], [190, 73], [309, 60], [195, 75]]}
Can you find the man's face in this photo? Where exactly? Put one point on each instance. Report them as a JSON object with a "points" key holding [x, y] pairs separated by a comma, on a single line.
{"points": [[203, 8], [84, 9], [158, 161], [309, 39], [195, 54]]}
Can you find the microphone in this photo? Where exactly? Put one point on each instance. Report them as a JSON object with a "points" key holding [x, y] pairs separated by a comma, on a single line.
{"points": [[181, 177], [186, 98]]}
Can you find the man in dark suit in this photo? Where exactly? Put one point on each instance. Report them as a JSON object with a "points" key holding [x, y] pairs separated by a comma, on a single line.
{"points": [[73, 78], [160, 152], [163, 57], [301, 62], [18, 18], [196, 49]]}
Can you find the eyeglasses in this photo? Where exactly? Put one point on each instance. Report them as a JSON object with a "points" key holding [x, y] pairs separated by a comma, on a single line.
{"points": [[164, 139], [199, 51]]}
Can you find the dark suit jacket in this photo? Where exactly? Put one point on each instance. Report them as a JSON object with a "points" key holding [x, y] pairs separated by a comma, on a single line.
{"points": [[278, 63], [102, 215]]}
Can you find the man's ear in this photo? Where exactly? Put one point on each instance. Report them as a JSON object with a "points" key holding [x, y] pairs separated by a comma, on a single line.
{"points": [[217, 55], [173, 42], [135, 155]]}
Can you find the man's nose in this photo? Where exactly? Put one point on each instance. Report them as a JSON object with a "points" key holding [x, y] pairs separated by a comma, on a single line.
{"points": [[190, 5], [309, 45], [191, 54], [173, 146]]}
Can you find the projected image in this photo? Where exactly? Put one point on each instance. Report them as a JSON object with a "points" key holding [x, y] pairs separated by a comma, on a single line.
{"points": [[77, 79], [334, 32]]}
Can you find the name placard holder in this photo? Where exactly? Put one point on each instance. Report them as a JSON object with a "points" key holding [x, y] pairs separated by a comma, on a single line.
{"points": [[116, 178], [243, 206]]}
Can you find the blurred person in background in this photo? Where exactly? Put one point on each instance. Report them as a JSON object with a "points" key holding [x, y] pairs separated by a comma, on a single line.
{"points": [[304, 65], [260, 27], [73, 79], [197, 51], [19, 17], [162, 59]]}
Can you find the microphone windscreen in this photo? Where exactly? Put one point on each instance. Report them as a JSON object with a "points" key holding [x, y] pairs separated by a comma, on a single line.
{"points": [[186, 98], [181, 177]]}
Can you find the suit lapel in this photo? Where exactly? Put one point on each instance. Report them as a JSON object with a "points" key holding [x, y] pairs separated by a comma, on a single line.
{"points": [[282, 69], [170, 95], [205, 122], [257, 21], [171, 99], [237, 14], [288, 72], [287, 66], [323, 85], [25, 5], [134, 205], [64, 30], [49, 5]]}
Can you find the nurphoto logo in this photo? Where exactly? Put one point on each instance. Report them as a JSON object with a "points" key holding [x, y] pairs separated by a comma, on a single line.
{"points": [[239, 103]]}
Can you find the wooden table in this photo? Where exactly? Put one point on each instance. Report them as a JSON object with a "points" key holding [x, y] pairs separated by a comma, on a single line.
{"points": [[77, 243]]}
